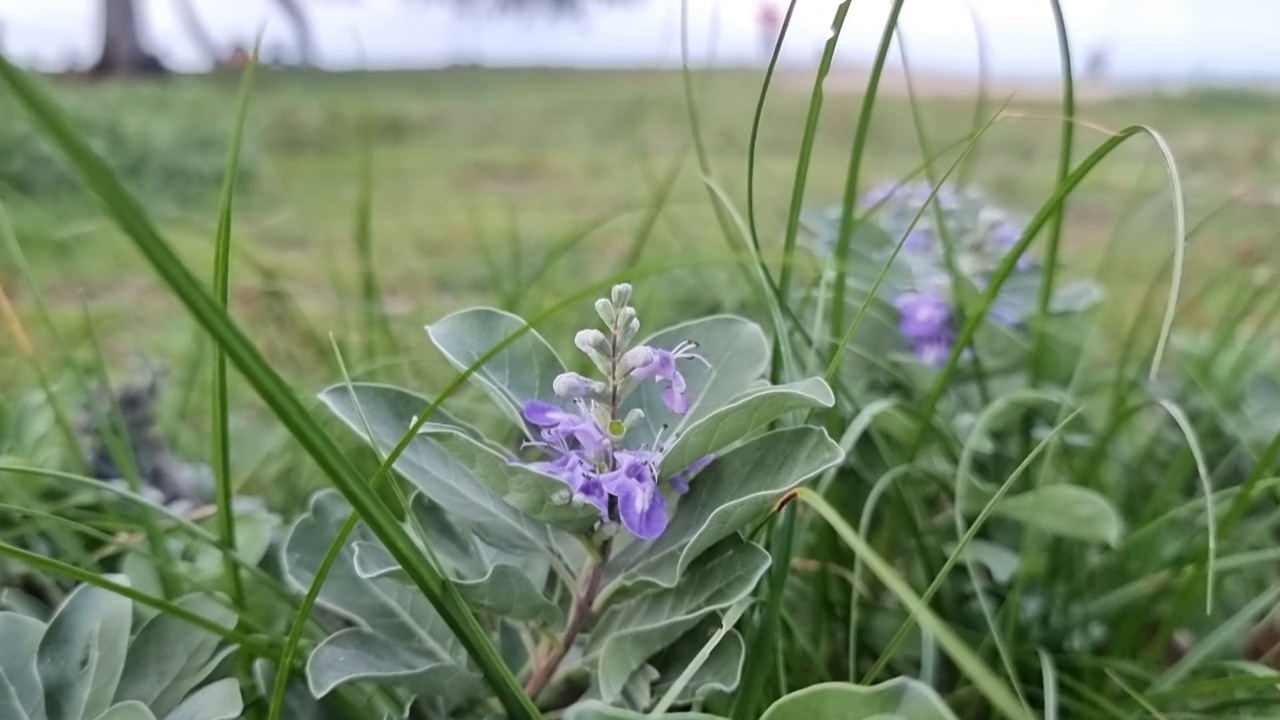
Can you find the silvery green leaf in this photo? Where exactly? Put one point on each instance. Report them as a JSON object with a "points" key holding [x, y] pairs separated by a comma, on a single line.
{"points": [[719, 673], [1067, 511], [217, 701], [739, 354], [520, 372], [465, 557], [357, 654], [82, 653], [389, 412], [383, 605], [168, 657], [504, 590], [898, 699], [596, 710], [131, 710], [741, 417], [21, 696], [1075, 297], [630, 633], [532, 493], [401, 632], [741, 487], [15, 600]]}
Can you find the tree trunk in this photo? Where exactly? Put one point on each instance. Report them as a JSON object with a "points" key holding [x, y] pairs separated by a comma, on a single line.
{"points": [[122, 49]]}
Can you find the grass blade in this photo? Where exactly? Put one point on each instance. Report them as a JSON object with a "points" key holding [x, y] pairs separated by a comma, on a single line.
{"points": [[1064, 166], [222, 291]]}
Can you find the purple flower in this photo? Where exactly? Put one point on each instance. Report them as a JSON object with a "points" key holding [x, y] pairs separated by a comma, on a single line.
{"points": [[680, 481], [927, 324], [558, 425], [641, 507], [661, 365], [920, 240], [1006, 235], [879, 194]]}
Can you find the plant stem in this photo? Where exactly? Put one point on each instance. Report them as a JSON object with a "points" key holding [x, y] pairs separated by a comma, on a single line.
{"points": [[579, 615]]}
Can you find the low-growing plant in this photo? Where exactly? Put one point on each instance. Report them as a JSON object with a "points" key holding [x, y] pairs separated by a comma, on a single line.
{"points": [[98, 658], [603, 552]]}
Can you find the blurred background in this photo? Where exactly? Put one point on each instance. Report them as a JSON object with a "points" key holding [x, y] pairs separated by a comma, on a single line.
{"points": [[1134, 40], [405, 158]]}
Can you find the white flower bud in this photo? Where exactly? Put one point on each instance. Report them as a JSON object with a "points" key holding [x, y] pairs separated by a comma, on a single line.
{"points": [[606, 311], [633, 418], [621, 295], [571, 386], [636, 357], [592, 342]]}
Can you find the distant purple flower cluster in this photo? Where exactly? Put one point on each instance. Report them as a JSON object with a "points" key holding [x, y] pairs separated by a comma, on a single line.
{"points": [[980, 237], [928, 324], [584, 445]]}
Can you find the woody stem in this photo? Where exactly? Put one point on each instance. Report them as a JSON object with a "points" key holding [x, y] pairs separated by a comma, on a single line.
{"points": [[579, 616]]}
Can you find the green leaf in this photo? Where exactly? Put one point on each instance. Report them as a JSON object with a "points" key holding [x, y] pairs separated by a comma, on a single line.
{"points": [[217, 701], [82, 653], [21, 697], [168, 657], [739, 354], [541, 497], [596, 710], [400, 634], [719, 673], [1065, 510], [520, 372], [897, 699], [741, 417], [630, 633], [383, 605], [1075, 297], [356, 654], [505, 590], [132, 710], [390, 412], [737, 489], [1001, 562]]}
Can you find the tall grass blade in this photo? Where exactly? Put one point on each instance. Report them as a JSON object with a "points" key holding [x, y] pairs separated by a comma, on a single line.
{"points": [[1064, 167], [860, 135], [222, 292]]}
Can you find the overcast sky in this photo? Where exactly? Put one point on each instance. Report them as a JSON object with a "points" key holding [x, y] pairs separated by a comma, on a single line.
{"points": [[1172, 39]]}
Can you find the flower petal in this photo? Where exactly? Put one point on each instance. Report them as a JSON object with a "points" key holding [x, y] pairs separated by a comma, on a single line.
{"points": [[643, 511]]}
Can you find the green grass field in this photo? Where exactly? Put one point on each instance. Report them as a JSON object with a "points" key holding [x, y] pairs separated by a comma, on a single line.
{"points": [[465, 159]]}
